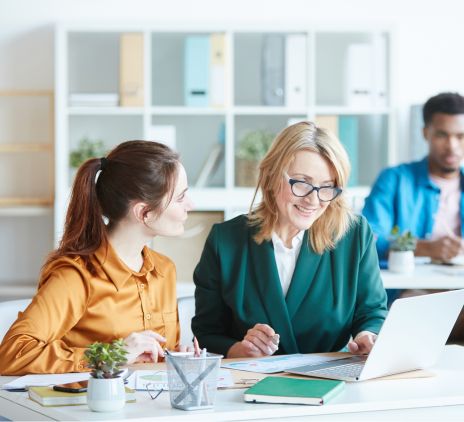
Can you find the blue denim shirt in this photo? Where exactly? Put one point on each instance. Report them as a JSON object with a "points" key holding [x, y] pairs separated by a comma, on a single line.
{"points": [[404, 196]]}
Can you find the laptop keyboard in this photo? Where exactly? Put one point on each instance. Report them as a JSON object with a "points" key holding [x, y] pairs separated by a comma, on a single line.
{"points": [[348, 368], [352, 370]]}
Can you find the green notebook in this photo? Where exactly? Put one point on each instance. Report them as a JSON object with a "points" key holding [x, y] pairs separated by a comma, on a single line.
{"points": [[293, 391], [47, 396]]}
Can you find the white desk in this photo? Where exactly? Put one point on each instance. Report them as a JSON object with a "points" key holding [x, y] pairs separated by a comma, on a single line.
{"points": [[426, 276], [435, 398]]}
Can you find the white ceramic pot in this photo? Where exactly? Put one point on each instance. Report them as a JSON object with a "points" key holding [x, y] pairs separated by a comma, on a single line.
{"points": [[106, 395], [401, 261]]}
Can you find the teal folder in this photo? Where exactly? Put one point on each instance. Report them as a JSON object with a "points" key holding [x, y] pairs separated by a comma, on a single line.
{"points": [[196, 70], [348, 131], [293, 391]]}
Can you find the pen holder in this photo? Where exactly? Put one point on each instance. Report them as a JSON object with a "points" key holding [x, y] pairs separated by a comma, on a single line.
{"points": [[192, 380]]}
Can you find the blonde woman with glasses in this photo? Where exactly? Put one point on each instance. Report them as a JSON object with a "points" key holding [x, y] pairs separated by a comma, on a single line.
{"points": [[299, 273]]}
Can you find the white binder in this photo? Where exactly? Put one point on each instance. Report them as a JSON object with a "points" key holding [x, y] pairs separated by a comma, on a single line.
{"points": [[359, 76], [295, 71]]}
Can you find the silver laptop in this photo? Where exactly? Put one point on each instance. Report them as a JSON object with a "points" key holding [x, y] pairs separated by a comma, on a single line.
{"points": [[412, 337]]}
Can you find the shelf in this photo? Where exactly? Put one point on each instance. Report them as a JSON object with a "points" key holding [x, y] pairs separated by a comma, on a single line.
{"points": [[343, 110], [14, 202], [186, 111], [250, 66], [6, 148], [79, 111], [25, 211], [264, 110]]}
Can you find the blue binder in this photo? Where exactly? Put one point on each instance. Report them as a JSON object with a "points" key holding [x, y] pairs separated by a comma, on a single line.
{"points": [[348, 132], [196, 71], [272, 70]]}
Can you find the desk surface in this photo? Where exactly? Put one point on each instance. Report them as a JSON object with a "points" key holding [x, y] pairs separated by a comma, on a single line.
{"points": [[426, 276], [417, 398]]}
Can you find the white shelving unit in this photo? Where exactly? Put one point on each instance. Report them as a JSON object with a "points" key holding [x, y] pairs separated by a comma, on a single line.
{"points": [[26, 189], [87, 60]]}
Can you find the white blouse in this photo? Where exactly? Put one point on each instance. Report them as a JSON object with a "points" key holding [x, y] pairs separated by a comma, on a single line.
{"points": [[286, 258]]}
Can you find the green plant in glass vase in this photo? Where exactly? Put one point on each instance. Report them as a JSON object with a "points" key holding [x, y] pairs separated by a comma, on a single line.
{"points": [[251, 148]]}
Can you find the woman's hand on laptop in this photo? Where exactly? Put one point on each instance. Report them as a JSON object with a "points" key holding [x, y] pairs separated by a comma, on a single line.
{"points": [[362, 343]]}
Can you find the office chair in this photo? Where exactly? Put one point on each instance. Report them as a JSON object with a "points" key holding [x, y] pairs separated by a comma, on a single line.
{"points": [[186, 306], [9, 312]]}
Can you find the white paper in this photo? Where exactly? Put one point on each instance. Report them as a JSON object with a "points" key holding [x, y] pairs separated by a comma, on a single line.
{"points": [[157, 380], [275, 364], [42, 380]]}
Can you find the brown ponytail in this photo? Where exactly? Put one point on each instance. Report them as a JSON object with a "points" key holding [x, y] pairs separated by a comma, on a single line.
{"points": [[134, 171]]}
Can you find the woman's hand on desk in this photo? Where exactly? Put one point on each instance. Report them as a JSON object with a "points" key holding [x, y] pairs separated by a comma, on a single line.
{"points": [[144, 347], [362, 343], [259, 341]]}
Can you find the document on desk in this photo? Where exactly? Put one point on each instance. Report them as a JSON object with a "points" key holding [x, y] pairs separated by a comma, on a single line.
{"points": [[274, 364], [157, 380], [42, 380]]}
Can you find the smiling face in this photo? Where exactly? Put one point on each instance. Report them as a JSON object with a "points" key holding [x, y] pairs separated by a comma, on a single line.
{"points": [[299, 213], [445, 135], [172, 219]]}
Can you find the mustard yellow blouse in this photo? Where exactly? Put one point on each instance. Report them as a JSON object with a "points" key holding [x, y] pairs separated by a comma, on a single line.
{"points": [[72, 309]]}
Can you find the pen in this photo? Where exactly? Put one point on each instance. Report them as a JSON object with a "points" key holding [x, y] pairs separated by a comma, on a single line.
{"points": [[275, 339]]}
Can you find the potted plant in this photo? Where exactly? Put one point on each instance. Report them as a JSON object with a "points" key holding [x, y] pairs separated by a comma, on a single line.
{"points": [[106, 391], [251, 149], [401, 253], [87, 148]]}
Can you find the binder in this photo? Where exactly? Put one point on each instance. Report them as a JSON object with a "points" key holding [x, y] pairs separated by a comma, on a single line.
{"points": [[272, 70], [359, 76], [348, 130], [131, 70], [295, 71], [379, 45], [328, 122], [213, 160], [217, 81], [165, 134], [196, 71]]}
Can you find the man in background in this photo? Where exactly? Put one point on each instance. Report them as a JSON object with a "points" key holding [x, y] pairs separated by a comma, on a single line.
{"points": [[426, 197]]}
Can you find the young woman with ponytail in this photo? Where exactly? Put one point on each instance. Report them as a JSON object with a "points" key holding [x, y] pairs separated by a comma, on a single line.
{"points": [[103, 282]]}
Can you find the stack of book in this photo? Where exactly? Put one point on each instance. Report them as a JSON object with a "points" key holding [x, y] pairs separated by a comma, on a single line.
{"points": [[131, 86], [47, 396], [94, 99]]}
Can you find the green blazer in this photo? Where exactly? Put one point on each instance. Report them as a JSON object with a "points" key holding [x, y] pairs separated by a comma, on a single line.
{"points": [[331, 296]]}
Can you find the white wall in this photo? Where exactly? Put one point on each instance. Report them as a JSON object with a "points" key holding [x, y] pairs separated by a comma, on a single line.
{"points": [[428, 48], [428, 57]]}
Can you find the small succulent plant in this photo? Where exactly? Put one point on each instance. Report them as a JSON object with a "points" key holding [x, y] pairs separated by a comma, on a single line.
{"points": [[402, 241], [105, 359]]}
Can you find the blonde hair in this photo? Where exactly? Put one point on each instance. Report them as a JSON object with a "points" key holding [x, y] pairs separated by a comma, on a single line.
{"points": [[303, 136]]}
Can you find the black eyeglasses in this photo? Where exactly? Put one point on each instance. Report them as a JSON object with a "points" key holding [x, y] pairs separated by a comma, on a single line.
{"points": [[301, 188]]}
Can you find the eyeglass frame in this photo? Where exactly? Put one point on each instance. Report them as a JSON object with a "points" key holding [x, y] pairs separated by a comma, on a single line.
{"points": [[292, 182], [149, 391]]}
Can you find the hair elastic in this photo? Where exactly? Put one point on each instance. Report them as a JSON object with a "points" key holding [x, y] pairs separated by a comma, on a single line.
{"points": [[103, 163]]}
